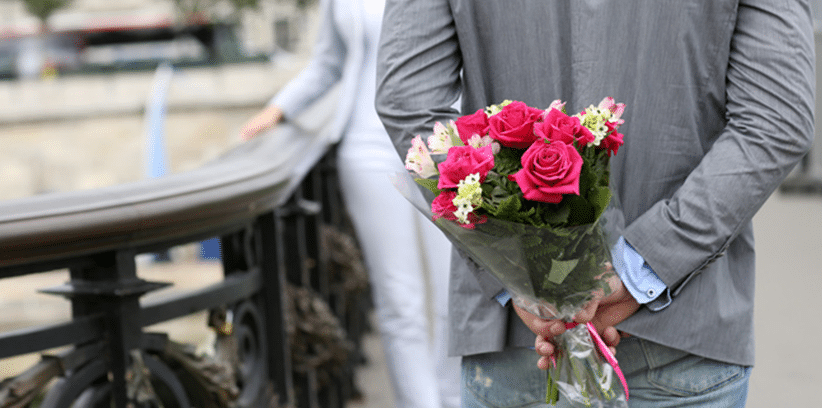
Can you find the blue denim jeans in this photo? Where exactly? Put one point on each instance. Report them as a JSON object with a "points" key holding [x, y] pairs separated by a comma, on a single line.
{"points": [[657, 376]]}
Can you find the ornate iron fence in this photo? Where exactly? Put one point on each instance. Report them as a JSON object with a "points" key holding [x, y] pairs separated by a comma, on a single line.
{"points": [[288, 315]]}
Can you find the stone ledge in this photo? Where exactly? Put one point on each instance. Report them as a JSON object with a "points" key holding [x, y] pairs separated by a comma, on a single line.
{"points": [[79, 97]]}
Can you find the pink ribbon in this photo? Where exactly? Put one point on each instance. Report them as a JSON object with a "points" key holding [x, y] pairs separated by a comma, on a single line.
{"points": [[606, 352]]}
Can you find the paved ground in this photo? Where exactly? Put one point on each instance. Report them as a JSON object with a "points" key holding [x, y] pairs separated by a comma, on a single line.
{"points": [[789, 241], [788, 303]]}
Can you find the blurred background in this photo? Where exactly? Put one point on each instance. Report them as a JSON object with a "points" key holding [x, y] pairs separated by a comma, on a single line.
{"points": [[97, 92]]}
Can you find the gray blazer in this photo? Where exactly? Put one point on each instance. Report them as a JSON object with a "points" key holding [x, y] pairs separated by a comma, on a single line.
{"points": [[720, 98]]}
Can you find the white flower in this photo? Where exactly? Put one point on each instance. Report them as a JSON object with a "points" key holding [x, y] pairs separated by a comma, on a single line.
{"points": [[596, 118], [476, 141], [464, 208], [419, 159], [495, 109], [557, 104], [442, 139], [615, 109], [469, 197]]}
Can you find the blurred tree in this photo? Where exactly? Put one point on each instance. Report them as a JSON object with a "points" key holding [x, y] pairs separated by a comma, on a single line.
{"points": [[303, 4], [240, 4], [189, 8], [194, 8], [42, 9]]}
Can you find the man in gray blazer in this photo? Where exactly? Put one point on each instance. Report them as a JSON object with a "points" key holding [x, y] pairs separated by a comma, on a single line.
{"points": [[720, 98]]}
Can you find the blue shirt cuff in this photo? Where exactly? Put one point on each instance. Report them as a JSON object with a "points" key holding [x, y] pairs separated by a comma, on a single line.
{"points": [[503, 297], [638, 277]]}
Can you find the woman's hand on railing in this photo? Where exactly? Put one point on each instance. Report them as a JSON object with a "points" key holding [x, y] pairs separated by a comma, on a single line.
{"points": [[264, 120]]}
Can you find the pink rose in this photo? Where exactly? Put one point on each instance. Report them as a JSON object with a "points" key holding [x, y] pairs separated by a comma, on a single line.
{"points": [[443, 207], [561, 127], [613, 141], [549, 170], [513, 126], [462, 161], [470, 125]]}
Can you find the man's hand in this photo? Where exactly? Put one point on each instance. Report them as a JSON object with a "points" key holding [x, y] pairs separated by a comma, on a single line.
{"points": [[545, 330], [614, 308], [604, 312], [540, 326], [610, 310], [264, 120]]}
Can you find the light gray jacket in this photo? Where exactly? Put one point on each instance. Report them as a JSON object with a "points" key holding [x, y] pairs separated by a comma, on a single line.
{"points": [[720, 100], [336, 64]]}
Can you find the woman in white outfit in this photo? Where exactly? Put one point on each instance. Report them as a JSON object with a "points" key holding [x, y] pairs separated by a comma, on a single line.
{"points": [[406, 255]]}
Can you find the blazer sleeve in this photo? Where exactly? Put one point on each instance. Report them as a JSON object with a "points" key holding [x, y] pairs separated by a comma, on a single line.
{"points": [[322, 72], [770, 85], [418, 82], [418, 69]]}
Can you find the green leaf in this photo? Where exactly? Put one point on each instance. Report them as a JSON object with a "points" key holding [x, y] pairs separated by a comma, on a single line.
{"points": [[582, 212], [509, 205], [552, 388], [507, 161], [455, 140], [556, 214], [430, 184], [599, 197], [561, 269]]}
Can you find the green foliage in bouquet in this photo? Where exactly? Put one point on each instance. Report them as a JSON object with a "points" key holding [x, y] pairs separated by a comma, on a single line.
{"points": [[504, 200], [564, 253], [558, 248], [548, 240]]}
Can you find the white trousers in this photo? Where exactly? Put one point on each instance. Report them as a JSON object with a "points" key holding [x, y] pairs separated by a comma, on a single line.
{"points": [[408, 260]]}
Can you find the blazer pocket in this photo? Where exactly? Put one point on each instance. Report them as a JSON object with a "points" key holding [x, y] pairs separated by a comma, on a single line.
{"points": [[694, 375]]}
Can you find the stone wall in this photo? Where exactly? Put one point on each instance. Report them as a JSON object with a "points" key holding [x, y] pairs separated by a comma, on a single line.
{"points": [[80, 133]]}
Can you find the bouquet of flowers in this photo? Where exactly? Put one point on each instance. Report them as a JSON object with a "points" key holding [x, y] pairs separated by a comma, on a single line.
{"points": [[522, 191]]}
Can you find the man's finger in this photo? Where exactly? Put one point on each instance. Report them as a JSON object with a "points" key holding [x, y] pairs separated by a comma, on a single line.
{"points": [[544, 363], [539, 326], [588, 312], [543, 346], [611, 336]]}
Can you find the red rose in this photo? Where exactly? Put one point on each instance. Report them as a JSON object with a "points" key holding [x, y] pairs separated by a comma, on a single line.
{"points": [[470, 125], [443, 207], [549, 170], [462, 161], [513, 126], [613, 141], [561, 127]]}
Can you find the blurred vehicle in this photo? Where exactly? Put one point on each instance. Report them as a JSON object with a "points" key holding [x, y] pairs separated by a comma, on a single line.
{"points": [[116, 45]]}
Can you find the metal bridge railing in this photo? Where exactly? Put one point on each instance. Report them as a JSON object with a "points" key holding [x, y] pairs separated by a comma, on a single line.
{"points": [[288, 314]]}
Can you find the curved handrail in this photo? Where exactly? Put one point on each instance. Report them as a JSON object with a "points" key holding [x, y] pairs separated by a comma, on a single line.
{"points": [[272, 202], [248, 180]]}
